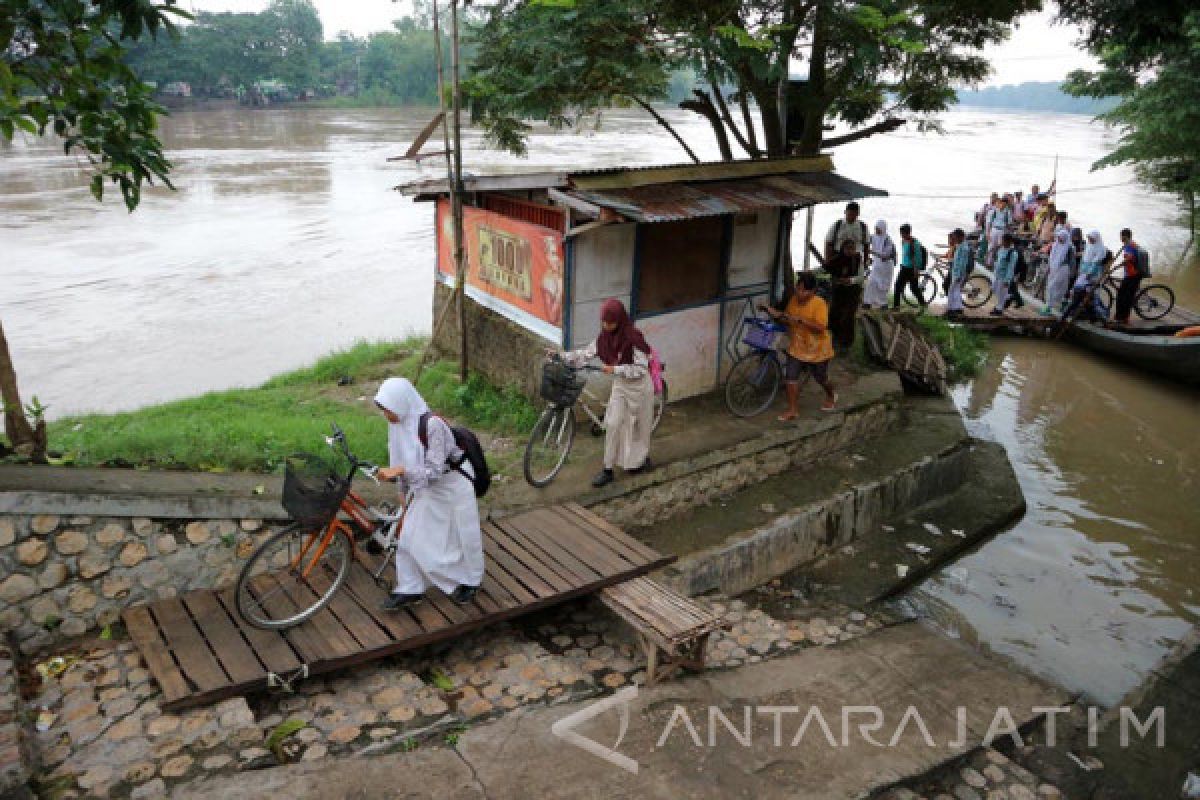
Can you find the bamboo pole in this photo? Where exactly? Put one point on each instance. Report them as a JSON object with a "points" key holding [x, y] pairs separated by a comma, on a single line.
{"points": [[441, 87], [456, 196]]}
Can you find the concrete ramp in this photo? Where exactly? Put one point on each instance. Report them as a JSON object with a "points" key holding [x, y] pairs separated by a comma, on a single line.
{"points": [[518, 756]]}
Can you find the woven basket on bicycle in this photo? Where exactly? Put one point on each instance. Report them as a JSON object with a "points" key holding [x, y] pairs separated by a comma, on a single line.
{"points": [[561, 384], [312, 491]]}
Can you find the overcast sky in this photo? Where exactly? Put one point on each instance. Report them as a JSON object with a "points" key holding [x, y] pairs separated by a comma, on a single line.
{"points": [[1038, 50]]}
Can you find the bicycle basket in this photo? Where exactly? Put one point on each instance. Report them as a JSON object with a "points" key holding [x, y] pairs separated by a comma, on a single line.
{"points": [[312, 492], [761, 334], [561, 384]]}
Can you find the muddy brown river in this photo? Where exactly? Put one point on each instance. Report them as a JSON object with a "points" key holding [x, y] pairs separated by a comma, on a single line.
{"points": [[284, 241]]}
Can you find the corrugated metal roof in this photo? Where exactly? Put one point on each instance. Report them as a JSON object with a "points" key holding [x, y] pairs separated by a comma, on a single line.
{"points": [[676, 201]]}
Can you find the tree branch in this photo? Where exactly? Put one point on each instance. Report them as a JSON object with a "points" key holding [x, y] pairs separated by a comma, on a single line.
{"points": [[659, 119], [885, 126], [748, 120], [703, 106], [753, 152]]}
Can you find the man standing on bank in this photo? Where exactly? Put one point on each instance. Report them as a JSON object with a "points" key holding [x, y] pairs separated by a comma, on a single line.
{"points": [[629, 417], [845, 253]]}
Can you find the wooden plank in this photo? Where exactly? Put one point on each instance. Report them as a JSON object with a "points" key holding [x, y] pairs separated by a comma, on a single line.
{"points": [[499, 566], [276, 602], [578, 541], [426, 615], [271, 648], [597, 521], [335, 640], [224, 639], [579, 571], [533, 560], [361, 626], [196, 660], [621, 546], [156, 652], [400, 624]]}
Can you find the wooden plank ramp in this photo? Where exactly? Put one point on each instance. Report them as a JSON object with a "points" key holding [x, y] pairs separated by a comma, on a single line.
{"points": [[199, 649]]}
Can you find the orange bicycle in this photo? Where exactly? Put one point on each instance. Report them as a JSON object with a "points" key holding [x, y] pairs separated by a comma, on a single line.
{"points": [[295, 572]]}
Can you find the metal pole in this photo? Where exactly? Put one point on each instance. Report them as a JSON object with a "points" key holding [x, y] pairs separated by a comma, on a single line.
{"points": [[456, 197], [808, 226]]}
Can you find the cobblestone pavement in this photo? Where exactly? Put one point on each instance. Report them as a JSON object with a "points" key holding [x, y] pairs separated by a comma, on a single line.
{"points": [[102, 732], [987, 774]]}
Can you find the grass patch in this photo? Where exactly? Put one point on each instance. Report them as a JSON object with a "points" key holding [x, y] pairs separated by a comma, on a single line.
{"points": [[255, 429], [965, 351]]}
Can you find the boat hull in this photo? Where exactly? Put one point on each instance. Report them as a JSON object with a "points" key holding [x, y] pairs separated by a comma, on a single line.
{"points": [[1162, 354]]}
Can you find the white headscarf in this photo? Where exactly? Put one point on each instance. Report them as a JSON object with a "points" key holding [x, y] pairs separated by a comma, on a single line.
{"points": [[881, 243], [1095, 250], [399, 396], [1062, 245]]}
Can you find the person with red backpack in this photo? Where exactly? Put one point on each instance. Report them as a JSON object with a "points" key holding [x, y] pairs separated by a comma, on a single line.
{"points": [[441, 543], [1136, 262], [629, 416]]}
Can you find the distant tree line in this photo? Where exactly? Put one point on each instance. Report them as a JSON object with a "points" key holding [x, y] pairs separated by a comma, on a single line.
{"points": [[1035, 96]]}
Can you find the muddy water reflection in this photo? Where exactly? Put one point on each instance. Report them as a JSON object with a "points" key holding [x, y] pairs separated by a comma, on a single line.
{"points": [[1099, 579]]}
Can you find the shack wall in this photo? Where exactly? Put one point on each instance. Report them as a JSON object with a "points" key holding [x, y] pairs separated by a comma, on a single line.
{"points": [[601, 267]]}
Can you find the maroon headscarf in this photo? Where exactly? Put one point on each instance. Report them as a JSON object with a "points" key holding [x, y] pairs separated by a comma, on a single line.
{"points": [[617, 347]]}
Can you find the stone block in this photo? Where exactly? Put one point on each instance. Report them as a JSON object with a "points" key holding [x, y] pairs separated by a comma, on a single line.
{"points": [[17, 588], [197, 532], [133, 554], [110, 534], [43, 524], [32, 552], [8, 531], [81, 600], [142, 526], [92, 565], [69, 543], [166, 544], [54, 575]]}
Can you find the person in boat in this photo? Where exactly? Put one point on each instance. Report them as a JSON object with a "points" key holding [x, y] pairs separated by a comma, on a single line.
{"points": [[440, 543], [912, 262], [983, 219], [1045, 224], [629, 416], [883, 268], [810, 345], [960, 269], [1004, 277], [1135, 265], [1059, 265], [845, 270], [1093, 265]]}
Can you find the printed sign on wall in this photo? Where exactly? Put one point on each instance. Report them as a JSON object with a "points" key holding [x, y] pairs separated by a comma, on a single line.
{"points": [[516, 262]]}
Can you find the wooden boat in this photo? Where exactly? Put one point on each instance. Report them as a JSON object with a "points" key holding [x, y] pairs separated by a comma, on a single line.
{"points": [[1151, 348]]}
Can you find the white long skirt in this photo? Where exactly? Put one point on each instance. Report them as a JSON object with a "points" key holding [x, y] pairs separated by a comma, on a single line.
{"points": [[879, 285], [441, 544], [1057, 285], [628, 422]]}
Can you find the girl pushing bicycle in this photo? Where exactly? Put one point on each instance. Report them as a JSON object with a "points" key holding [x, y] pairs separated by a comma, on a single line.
{"points": [[629, 417], [440, 543]]}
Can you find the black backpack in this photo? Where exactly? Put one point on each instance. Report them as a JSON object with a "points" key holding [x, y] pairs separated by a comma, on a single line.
{"points": [[1022, 268], [466, 440], [923, 258]]}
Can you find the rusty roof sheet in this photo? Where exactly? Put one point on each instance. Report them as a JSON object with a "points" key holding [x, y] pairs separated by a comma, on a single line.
{"points": [[676, 201]]}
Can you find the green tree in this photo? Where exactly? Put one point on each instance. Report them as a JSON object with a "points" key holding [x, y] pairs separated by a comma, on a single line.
{"points": [[871, 65], [1150, 57], [63, 73], [294, 37]]}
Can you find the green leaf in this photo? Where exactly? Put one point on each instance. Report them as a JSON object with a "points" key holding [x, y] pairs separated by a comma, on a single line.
{"points": [[97, 187]]}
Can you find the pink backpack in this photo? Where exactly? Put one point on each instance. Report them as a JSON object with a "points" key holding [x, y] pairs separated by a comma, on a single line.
{"points": [[656, 371]]}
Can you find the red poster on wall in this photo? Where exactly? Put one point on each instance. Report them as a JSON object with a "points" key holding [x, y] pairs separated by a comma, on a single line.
{"points": [[516, 262]]}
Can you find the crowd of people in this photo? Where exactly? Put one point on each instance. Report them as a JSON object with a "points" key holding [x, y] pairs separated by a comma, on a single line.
{"points": [[868, 269]]}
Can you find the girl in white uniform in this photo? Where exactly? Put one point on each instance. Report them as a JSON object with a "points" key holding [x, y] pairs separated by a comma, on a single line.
{"points": [[440, 543], [883, 268]]}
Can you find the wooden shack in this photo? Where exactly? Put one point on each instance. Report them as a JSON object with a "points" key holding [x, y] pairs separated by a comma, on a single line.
{"points": [[688, 248]]}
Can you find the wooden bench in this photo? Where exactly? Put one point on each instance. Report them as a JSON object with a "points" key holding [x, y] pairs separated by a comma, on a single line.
{"points": [[673, 629]]}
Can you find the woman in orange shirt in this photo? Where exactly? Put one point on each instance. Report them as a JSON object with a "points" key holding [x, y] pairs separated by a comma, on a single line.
{"points": [[810, 348]]}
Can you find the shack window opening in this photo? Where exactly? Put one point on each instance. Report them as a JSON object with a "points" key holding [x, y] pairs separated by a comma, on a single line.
{"points": [[679, 264]]}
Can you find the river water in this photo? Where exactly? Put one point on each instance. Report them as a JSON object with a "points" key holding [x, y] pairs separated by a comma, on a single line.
{"points": [[284, 241]]}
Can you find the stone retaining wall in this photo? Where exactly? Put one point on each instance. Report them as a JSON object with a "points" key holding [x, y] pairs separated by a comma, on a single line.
{"points": [[15, 755], [803, 534], [65, 576]]}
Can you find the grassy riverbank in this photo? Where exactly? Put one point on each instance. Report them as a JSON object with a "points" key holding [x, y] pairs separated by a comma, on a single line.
{"points": [[253, 429], [964, 350]]}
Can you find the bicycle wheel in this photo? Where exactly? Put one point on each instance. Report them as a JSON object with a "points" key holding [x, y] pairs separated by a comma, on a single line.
{"points": [[660, 404], [752, 383], [290, 577], [976, 291], [1154, 302], [1105, 296], [929, 290], [549, 443]]}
